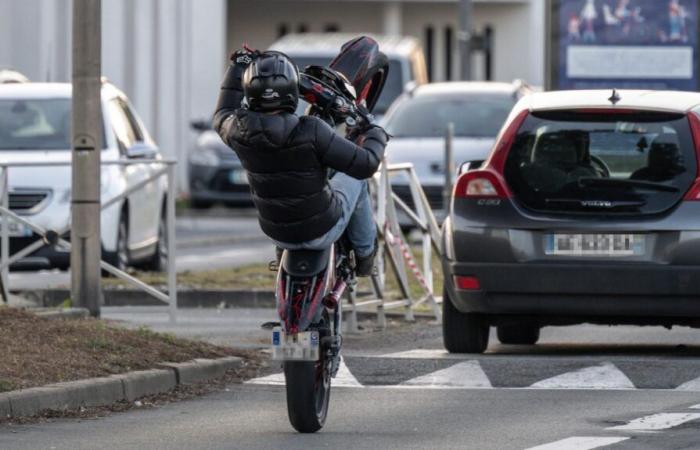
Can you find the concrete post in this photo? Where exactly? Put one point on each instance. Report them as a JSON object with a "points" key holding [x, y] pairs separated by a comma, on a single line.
{"points": [[464, 37], [449, 166], [86, 149]]}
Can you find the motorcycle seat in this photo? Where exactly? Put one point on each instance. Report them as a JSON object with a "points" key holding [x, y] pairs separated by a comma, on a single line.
{"points": [[305, 263]]}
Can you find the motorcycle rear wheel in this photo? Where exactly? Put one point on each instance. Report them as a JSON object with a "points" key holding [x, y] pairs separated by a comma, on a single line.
{"points": [[308, 394]]}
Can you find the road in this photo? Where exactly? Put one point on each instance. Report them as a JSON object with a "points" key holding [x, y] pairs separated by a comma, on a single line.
{"points": [[581, 387], [204, 242]]}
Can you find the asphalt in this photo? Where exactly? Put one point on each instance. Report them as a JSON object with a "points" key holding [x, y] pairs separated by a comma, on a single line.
{"points": [[408, 393]]}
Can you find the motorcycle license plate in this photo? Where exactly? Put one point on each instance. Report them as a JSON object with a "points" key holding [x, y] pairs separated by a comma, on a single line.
{"points": [[295, 347]]}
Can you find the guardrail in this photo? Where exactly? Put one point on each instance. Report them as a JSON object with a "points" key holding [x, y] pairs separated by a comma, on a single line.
{"points": [[53, 237], [397, 250]]}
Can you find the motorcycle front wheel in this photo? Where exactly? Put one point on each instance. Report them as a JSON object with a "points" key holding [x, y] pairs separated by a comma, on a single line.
{"points": [[308, 393]]}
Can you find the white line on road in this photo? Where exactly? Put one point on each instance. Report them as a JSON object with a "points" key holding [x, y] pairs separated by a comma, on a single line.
{"points": [[604, 376], [580, 443], [422, 353], [694, 407], [661, 421], [344, 378], [465, 375], [692, 385]]}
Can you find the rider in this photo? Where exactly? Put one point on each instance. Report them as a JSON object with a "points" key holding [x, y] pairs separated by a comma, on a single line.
{"points": [[287, 159]]}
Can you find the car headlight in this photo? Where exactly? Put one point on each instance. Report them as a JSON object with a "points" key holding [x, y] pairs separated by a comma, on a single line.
{"points": [[205, 157]]}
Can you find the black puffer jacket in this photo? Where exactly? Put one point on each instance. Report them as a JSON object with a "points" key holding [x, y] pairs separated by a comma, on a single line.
{"points": [[287, 160]]}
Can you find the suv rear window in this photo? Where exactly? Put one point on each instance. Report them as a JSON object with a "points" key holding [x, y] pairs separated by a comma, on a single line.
{"points": [[620, 163]]}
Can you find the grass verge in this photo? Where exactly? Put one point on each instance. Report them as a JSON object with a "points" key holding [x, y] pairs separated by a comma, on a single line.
{"points": [[37, 351]]}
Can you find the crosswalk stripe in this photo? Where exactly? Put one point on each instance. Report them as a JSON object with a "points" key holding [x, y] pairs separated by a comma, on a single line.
{"points": [[692, 385], [423, 353], [344, 378], [654, 422], [464, 375], [580, 443], [603, 376]]}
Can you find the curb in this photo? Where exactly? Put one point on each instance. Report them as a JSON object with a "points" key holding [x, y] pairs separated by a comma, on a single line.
{"points": [[222, 240], [108, 390], [63, 313]]}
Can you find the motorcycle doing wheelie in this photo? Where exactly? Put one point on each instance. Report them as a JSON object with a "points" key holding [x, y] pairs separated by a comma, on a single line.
{"points": [[310, 283]]}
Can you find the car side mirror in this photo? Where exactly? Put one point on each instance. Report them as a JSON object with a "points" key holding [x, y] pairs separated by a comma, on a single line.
{"points": [[141, 150], [201, 125]]}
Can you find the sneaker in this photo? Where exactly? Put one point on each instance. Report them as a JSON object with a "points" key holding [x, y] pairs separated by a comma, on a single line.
{"points": [[364, 265]]}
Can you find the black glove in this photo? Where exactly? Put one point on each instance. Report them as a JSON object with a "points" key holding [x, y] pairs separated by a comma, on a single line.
{"points": [[240, 60]]}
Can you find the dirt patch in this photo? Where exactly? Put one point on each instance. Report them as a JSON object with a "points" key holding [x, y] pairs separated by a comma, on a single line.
{"points": [[38, 351]]}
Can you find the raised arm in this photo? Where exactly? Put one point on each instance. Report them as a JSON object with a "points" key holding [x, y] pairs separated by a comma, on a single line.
{"points": [[359, 159], [231, 94]]}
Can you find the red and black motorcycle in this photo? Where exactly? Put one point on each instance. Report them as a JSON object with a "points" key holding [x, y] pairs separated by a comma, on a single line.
{"points": [[310, 284]]}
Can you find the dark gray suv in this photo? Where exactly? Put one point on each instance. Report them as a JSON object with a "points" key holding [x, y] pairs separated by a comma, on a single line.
{"points": [[587, 210]]}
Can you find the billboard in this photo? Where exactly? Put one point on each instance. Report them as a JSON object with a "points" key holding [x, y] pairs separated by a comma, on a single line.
{"points": [[632, 44]]}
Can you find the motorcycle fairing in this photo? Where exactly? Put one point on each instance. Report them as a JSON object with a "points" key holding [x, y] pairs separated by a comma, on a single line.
{"points": [[364, 66]]}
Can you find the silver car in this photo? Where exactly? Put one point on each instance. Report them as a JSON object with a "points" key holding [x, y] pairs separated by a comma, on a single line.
{"points": [[418, 123], [586, 211]]}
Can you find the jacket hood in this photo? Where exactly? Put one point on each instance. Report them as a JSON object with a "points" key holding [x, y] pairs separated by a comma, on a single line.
{"points": [[264, 130]]}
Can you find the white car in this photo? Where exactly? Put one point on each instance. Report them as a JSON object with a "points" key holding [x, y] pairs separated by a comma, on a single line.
{"points": [[35, 126], [418, 123]]}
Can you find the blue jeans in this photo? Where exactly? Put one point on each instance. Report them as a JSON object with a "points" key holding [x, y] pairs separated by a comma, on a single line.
{"points": [[356, 218]]}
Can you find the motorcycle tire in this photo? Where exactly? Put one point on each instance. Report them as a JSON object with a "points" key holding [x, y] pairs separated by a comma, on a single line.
{"points": [[308, 394]]}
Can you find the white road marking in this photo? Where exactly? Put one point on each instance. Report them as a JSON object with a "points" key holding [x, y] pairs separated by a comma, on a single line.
{"points": [[654, 422], [694, 407], [580, 443], [423, 353], [464, 375], [604, 376], [692, 385], [344, 378]]}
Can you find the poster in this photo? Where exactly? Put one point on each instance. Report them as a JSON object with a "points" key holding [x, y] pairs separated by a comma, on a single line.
{"points": [[632, 44]]}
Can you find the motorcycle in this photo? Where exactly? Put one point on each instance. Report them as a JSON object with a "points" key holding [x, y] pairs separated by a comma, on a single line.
{"points": [[310, 284]]}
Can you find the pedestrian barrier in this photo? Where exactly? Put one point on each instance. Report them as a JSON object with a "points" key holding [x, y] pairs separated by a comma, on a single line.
{"points": [[54, 237], [395, 249]]}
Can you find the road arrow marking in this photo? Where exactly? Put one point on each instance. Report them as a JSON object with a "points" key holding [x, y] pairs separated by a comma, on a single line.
{"points": [[655, 422], [604, 376], [580, 443], [465, 375]]}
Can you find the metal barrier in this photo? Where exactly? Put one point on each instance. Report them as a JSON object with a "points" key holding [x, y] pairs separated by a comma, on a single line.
{"points": [[53, 237], [395, 248]]}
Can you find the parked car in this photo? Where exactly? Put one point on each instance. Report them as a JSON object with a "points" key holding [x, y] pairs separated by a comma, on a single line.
{"points": [[418, 123], [35, 124], [406, 60], [215, 172], [8, 76], [586, 211]]}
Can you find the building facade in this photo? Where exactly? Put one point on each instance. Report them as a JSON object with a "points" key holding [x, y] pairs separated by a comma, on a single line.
{"points": [[169, 55], [518, 29]]}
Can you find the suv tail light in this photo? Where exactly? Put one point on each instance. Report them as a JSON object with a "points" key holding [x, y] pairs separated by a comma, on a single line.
{"points": [[481, 184], [693, 193]]}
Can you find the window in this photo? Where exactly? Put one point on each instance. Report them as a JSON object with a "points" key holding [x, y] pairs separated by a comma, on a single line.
{"points": [[124, 123]]}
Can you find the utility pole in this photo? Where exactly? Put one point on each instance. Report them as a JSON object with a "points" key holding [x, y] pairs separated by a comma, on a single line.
{"points": [[86, 148], [464, 36]]}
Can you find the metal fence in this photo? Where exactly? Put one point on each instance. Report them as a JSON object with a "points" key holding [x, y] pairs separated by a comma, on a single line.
{"points": [[396, 250], [54, 237]]}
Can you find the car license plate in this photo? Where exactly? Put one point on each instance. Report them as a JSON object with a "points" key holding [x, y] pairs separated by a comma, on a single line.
{"points": [[300, 346], [595, 244], [238, 177], [16, 229]]}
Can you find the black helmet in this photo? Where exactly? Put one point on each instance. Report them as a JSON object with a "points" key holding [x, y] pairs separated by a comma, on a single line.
{"points": [[271, 82]]}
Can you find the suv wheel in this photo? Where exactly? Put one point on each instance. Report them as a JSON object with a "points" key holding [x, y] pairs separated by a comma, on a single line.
{"points": [[463, 332], [120, 257], [519, 334], [158, 262]]}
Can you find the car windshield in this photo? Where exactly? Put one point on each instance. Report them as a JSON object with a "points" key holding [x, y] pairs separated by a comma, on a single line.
{"points": [[392, 88], [617, 163], [35, 124], [474, 115]]}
